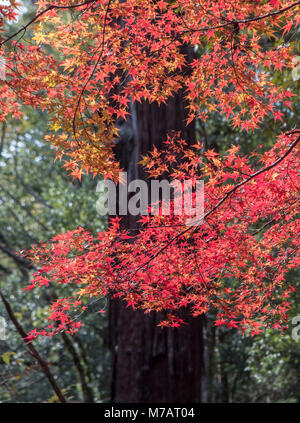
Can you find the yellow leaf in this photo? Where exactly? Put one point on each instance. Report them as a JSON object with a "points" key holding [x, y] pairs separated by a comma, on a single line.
{"points": [[6, 357]]}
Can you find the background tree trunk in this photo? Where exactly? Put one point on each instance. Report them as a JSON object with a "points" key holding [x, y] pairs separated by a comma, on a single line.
{"points": [[151, 364]]}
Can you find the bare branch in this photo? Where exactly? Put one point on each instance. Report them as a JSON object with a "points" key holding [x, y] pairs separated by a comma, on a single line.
{"points": [[43, 364], [9, 251]]}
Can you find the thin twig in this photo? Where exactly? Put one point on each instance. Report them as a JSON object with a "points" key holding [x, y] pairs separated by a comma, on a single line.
{"points": [[44, 366], [53, 6], [226, 196]]}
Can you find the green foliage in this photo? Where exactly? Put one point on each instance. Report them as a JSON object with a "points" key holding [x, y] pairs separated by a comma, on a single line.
{"points": [[37, 201]]}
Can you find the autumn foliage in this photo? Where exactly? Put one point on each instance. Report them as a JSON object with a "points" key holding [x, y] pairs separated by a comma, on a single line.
{"points": [[85, 65]]}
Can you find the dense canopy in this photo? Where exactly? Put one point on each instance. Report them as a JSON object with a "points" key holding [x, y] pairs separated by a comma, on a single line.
{"points": [[86, 65]]}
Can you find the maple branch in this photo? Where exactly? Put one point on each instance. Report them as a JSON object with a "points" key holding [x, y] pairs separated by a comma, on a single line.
{"points": [[9, 251], [226, 196], [72, 6], [19, 260], [44, 366], [94, 68], [286, 209], [245, 21], [296, 3], [245, 181], [87, 392], [53, 6]]}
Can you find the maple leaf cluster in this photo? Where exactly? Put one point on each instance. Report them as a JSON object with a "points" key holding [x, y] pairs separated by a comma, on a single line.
{"points": [[85, 65], [235, 262], [87, 62]]}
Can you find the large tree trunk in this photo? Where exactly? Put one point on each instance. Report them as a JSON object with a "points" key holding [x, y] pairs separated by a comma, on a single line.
{"points": [[151, 364]]}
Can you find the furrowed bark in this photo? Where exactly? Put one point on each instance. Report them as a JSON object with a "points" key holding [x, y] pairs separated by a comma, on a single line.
{"points": [[149, 363]]}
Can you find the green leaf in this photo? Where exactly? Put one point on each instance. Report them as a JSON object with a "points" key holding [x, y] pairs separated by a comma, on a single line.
{"points": [[6, 357]]}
